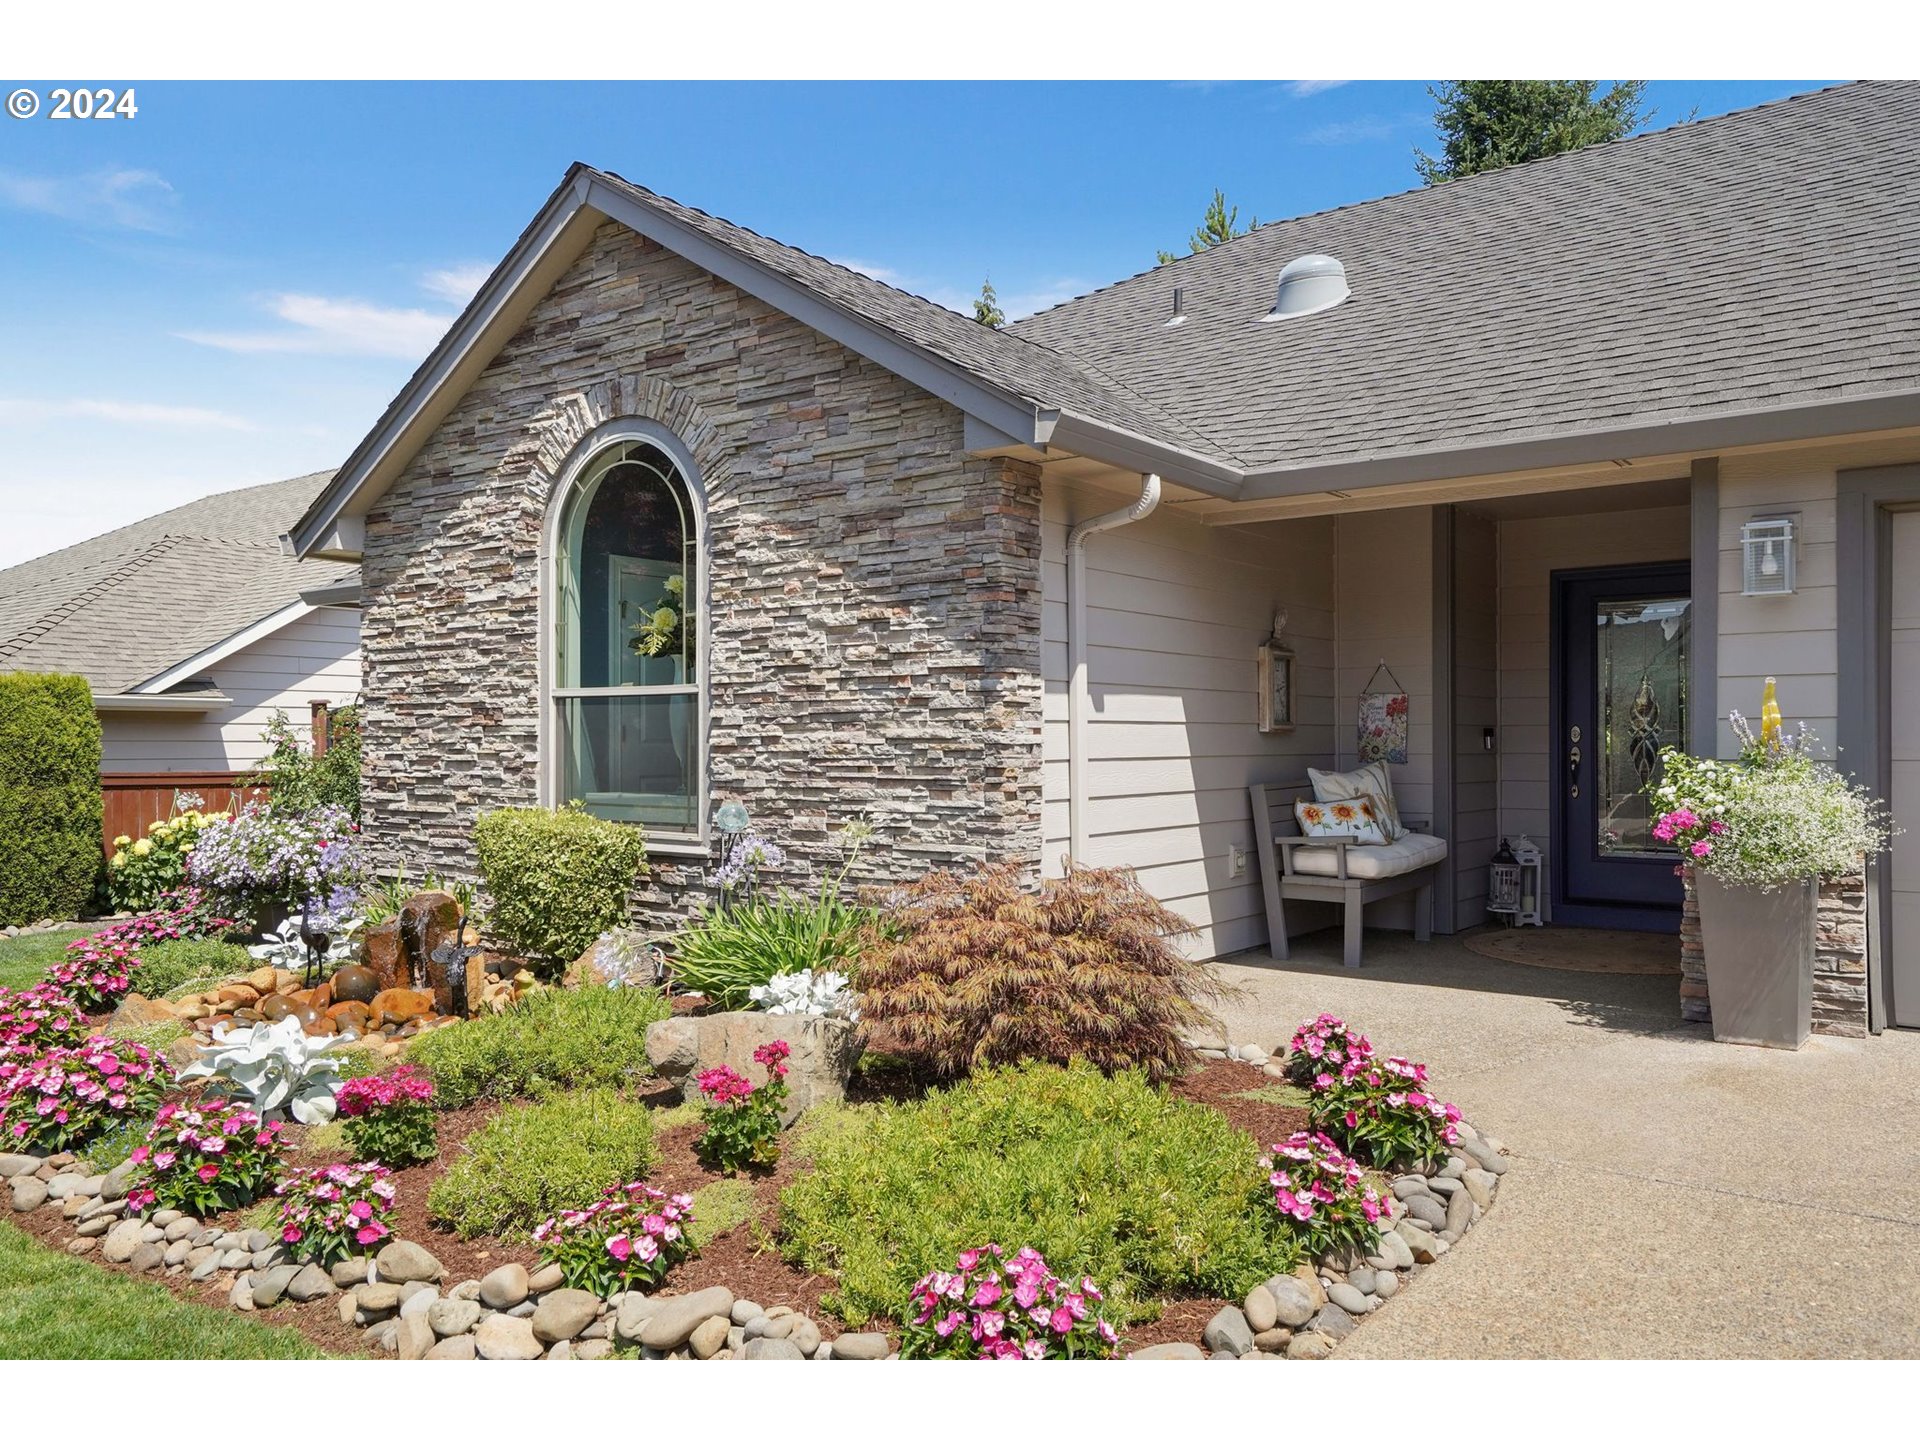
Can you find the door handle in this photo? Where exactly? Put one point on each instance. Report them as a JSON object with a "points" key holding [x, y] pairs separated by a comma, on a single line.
{"points": [[1573, 762]]}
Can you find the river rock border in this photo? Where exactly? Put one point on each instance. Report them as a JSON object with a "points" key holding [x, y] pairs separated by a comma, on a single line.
{"points": [[1305, 1314], [399, 1296]]}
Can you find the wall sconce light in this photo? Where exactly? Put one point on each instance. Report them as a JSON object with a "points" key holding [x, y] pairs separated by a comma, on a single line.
{"points": [[1766, 556]]}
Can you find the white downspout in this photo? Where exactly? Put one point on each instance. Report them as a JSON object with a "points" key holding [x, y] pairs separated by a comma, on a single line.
{"points": [[1077, 655]]}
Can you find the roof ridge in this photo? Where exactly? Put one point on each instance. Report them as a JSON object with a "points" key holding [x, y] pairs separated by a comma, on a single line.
{"points": [[39, 629], [1483, 175]]}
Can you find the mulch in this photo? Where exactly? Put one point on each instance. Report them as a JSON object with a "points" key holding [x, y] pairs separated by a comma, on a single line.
{"points": [[744, 1259]]}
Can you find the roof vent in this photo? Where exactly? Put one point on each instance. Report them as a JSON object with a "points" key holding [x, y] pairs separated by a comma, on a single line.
{"points": [[1179, 307], [1309, 284]]}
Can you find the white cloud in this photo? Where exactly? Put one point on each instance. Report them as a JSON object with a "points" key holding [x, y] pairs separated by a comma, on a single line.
{"points": [[455, 283], [1301, 89], [134, 199], [121, 412], [323, 326], [881, 273], [1361, 129]]}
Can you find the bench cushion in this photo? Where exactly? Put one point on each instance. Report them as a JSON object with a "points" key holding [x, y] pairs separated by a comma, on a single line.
{"points": [[1412, 851]]}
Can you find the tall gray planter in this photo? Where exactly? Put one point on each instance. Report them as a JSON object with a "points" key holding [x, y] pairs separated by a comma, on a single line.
{"points": [[1759, 956]]}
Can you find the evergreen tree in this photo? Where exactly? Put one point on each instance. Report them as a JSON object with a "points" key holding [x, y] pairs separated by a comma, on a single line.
{"points": [[1220, 224], [986, 308], [1488, 124]]}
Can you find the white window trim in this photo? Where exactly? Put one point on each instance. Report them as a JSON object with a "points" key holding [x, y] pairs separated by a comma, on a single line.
{"points": [[614, 432]]}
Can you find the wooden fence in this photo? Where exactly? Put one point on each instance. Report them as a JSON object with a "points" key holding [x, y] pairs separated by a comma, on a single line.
{"points": [[133, 802]]}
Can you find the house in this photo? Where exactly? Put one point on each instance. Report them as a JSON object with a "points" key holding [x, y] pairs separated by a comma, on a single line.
{"points": [[1497, 442], [193, 628]]}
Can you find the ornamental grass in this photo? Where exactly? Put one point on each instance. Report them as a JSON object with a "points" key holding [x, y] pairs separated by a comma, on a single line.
{"points": [[980, 970], [1153, 1196]]}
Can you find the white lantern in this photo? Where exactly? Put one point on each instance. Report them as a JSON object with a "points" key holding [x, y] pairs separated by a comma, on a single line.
{"points": [[1513, 882], [1766, 556]]}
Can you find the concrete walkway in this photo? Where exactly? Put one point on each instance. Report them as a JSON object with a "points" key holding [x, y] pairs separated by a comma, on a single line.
{"points": [[1669, 1197]]}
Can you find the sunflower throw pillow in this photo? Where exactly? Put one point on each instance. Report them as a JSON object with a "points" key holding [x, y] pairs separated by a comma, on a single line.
{"points": [[1355, 819]]}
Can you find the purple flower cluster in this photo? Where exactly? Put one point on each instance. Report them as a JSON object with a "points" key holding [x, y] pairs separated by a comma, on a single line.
{"points": [[259, 857], [750, 854], [987, 1308]]}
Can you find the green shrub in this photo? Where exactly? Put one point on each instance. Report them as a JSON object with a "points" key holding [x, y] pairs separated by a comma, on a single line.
{"points": [[49, 797], [295, 781], [725, 953], [532, 1160], [552, 1040], [557, 878], [1153, 1196], [170, 964]]}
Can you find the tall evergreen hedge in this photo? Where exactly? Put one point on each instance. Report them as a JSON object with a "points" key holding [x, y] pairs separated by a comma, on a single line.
{"points": [[49, 797]]}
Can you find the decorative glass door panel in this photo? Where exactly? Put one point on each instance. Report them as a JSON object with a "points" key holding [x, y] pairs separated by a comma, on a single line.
{"points": [[1622, 646], [1640, 674]]}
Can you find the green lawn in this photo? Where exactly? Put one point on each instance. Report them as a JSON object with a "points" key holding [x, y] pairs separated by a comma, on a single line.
{"points": [[54, 1307], [25, 958]]}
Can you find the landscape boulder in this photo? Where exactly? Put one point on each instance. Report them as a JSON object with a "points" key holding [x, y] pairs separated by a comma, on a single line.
{"points": [[823, 1048]]}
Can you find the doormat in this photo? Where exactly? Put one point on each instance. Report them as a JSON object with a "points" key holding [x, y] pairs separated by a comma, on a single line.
{"points": [[1593, 952]]}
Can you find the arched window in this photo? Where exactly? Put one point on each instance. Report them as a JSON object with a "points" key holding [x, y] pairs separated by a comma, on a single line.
{"points": [[626, 673]]}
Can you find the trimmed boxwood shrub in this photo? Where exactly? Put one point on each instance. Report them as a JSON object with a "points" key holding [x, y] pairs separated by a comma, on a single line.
{"points": [[1153, 1196], [557, 878], [532, 1160], [49, 797], [552, 1040]]}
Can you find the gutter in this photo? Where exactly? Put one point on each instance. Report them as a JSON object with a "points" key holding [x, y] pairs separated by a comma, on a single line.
{"points": [[197, 702], [1148, 502]]}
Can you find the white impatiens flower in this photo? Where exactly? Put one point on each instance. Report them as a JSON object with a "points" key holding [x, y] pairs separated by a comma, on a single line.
{"points": [[807, 992]]}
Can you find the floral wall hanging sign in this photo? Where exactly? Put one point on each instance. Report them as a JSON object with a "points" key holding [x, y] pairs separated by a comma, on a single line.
{"points": [[1382, 728]]}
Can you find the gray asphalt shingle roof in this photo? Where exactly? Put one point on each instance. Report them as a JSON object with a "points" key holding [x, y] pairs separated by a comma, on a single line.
{"points": [[1764, 258], [1002, 358], [126, 606]]}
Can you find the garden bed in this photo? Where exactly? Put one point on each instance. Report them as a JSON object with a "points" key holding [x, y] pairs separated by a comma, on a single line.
{"points": [[743, 1258]]}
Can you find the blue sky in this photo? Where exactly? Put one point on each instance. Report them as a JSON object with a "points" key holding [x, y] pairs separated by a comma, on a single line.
{"points": [[229, 287]]}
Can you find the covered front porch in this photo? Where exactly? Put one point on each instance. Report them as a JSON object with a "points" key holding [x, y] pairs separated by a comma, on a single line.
{"points": [[1547, 642]]}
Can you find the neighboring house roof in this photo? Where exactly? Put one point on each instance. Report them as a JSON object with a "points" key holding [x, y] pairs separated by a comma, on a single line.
{"points": [[1741, 279], [150, 604]]}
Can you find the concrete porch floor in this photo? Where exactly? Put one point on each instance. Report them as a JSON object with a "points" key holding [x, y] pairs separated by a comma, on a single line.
{"points": [[1669, 1197]]}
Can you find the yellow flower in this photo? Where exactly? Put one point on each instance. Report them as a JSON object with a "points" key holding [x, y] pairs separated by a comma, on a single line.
{"points": [[120, 842], [119, 859], [143, 847], [157, 825], [186, 847]]}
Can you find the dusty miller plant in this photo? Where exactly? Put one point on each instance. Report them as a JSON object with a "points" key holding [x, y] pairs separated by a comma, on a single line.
{"points": [[279, 1068]]}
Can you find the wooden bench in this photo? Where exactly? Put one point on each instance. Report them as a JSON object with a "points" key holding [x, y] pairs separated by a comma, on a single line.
{"points": [[1338, 871]]}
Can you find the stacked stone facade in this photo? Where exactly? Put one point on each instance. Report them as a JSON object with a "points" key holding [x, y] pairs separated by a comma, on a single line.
{"points": [[873, 591], [1839, 959]]}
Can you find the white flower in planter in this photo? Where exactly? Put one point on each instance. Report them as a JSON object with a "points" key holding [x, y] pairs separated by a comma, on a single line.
{"points": [[278, 1067], [285, 950], [807, 992]]}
